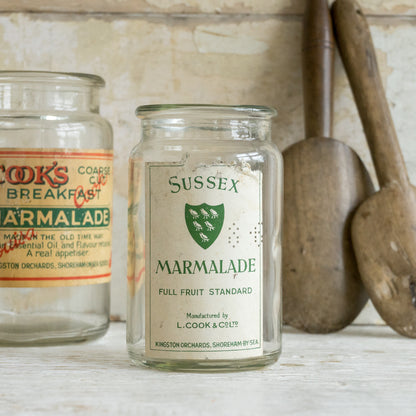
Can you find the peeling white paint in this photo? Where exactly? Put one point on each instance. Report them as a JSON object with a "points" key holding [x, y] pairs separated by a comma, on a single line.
{"points": [[394, 246], [250, 62], [213, 39], [217, 6]]}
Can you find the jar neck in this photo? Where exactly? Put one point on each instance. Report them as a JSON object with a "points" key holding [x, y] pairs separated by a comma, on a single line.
{"points": [[211, 129], [34, 97]]}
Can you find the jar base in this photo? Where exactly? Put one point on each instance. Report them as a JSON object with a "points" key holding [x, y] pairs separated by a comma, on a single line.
{"points": [[46, 329], [206, 366]]}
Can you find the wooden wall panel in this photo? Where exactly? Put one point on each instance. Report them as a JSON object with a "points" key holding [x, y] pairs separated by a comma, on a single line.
{"points": [[210, 59], [371, 7]]}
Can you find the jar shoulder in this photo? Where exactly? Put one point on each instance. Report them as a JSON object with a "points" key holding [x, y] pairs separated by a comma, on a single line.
{"points": [[8, 120], [147, 149], [77, 130]]}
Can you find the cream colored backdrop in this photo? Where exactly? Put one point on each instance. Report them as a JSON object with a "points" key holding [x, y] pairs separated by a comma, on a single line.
{"points": [[212, 51]]}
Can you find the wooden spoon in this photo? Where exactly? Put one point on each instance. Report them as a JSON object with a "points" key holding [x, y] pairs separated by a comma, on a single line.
{"points": [[384, 227], [324, 183]]}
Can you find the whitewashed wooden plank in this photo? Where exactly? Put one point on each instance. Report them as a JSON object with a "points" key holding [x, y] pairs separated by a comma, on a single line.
{"points": [[283, 7], [162, 60], [359, 371]]}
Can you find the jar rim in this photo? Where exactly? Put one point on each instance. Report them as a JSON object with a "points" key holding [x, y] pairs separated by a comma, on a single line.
{"points": [[208, 111], [52, 77]]}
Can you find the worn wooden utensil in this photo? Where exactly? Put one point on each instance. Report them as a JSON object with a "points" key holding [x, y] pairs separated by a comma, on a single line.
{"points": [[384, 226], [324, 183]]}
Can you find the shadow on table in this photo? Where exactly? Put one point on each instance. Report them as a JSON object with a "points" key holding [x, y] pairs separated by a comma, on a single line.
{"points": [[367, 331]]}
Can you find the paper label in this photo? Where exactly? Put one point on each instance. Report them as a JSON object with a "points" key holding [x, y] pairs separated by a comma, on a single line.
{"points": [[203, 262], [55, 217]]}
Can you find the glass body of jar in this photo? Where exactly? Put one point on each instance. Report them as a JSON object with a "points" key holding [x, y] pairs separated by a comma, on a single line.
{"points": [[55, 208], [204, 239]]}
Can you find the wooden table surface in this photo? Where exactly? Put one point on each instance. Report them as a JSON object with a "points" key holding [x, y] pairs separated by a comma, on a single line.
{"points": [[363, 370]]}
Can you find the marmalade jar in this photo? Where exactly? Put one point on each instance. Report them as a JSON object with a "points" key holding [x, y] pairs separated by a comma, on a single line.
{"points": [[205, 210], [55, 208]]}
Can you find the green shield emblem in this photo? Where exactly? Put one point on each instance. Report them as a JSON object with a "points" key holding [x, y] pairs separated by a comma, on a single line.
{"points": [[204, 222]]}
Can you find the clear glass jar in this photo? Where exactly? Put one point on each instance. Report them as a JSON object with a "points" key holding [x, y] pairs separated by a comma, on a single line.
{"points": [[205, 218], [55, 208]]}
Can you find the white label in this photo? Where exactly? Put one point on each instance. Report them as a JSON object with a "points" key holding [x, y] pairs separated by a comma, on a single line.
{"points": [[204, 257]]}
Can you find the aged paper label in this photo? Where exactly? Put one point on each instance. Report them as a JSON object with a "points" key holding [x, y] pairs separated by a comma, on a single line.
{"points": [[203, 262], [55, 217]]}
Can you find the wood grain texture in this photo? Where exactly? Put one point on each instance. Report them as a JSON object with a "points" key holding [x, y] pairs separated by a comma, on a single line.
{"points": [[359, 57], [324, 182], [355, 372], [384, 227], [318, 69], [269, 7], [384, 238]]}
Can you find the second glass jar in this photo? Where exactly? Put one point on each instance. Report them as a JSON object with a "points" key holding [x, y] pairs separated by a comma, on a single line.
{"points": [[56, 155]]}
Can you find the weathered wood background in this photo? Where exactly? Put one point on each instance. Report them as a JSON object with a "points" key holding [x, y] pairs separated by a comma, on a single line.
{"points": [[209, 51]]}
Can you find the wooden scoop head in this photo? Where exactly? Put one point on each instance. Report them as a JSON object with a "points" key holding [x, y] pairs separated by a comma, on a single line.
{"points": [[325, 181], [384, 237]]}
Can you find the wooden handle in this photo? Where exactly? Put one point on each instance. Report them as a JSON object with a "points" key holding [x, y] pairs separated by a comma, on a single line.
{"points": [[318, 68], [357, 52]]}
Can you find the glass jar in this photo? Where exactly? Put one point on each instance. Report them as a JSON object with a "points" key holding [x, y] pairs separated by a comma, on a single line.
{"points": [[204, 239], [55, 208]]}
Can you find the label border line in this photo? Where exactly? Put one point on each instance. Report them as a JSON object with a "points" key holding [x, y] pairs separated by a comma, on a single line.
{"points": [[43, 154], [209, 351], [261, 277], [98, 276]]}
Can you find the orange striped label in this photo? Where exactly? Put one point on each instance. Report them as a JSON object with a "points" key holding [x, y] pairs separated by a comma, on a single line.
{"points": [[55, 217]]}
